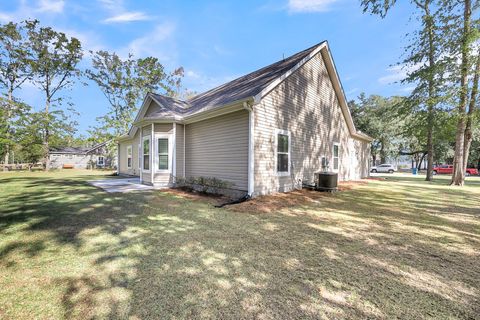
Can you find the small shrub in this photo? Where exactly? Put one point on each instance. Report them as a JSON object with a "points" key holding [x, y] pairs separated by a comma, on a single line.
{"points": [[210, 185]]}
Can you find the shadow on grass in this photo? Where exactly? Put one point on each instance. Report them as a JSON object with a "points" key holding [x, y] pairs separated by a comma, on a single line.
{"points": [[362, 253]]}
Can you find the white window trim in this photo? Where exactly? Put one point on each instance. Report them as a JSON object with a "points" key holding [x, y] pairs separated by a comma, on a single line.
{"points": [[103, 161], [333, 156], [131, 156], [287, 133], [139, 156], [170, 152], [149, 154]]}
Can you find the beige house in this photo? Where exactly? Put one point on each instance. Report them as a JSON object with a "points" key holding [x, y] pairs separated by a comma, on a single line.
{"points": [[268, 131]]}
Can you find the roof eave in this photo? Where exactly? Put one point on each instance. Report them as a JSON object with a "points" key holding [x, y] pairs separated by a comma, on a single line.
{"points": [[215, 111], [362, 136]]}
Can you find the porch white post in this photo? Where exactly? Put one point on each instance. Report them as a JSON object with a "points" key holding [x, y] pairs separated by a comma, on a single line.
{"points": [[152, 152], [118, 158]]}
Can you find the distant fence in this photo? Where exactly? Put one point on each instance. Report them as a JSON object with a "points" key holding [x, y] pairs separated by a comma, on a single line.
{"points": [[21, 166]]}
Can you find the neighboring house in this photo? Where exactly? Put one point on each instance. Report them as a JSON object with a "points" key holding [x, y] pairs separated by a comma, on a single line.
{"points": [[81, 157], [265, 132]]}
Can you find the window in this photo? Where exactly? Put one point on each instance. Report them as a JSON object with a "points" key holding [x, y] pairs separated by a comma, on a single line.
{"points": [[100, 161], [162, 153], [283, 152], [336, 156], [146, 153], [129, 157]]}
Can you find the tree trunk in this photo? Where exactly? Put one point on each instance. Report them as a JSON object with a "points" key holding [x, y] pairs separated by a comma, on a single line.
{"points": [[7, 133], [419, 163], [382, 153], [468, 136], [431, 95], [458, 177], [46, 137]]}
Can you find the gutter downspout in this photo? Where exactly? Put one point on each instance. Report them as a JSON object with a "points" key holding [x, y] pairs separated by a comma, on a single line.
{"points": [[251, 149]]}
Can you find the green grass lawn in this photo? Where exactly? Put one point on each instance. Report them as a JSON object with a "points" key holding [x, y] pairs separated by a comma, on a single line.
{"points": [[398, 248]]}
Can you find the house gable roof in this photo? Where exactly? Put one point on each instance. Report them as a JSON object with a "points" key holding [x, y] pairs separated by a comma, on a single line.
{"points": [[252, 86], [78, 150]]}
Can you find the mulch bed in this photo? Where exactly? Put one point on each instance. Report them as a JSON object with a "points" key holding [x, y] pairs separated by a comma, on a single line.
{"points": [[278, 201], [267, 203]]}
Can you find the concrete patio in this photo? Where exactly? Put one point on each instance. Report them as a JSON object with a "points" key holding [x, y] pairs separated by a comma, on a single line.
{"points": [[121, 185]]}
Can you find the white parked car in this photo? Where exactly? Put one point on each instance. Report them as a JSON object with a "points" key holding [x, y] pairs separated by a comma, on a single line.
{"points": [[386, 168]]}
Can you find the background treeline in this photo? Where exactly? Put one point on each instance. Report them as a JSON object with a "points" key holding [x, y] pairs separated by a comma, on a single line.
{"points": [[442, 64], [400, 134], [48, 60]]}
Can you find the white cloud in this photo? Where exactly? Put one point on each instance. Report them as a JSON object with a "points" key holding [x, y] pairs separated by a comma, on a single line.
{"points": [[192, 74], [310, 5], [36, 10], [119, 14], [128, 17], [351, 91], [397, 73], [4, 17], [54, 6], [153, 43]]}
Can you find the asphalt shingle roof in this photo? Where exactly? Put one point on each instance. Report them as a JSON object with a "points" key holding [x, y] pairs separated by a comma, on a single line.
{"points": [[241, 88], [72, 150], [76, 150]]}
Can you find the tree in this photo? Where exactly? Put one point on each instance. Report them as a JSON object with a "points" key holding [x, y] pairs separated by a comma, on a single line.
{"points": [[54, 66], [468, 135], [29, 142], [125, 83], [458, 176], [425, 64], [14, 71], [375, 116]]}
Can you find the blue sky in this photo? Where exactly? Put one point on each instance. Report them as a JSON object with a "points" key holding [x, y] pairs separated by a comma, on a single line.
{"points": [[216, 41]]}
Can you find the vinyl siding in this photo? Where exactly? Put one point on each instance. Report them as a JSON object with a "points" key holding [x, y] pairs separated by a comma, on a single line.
{"points": [[152, 107], [179, 150], [134, 171], [306, 105], [218, 147]]}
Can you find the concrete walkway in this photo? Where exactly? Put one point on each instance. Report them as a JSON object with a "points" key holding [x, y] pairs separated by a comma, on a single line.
{"points": [[120, 185]]}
